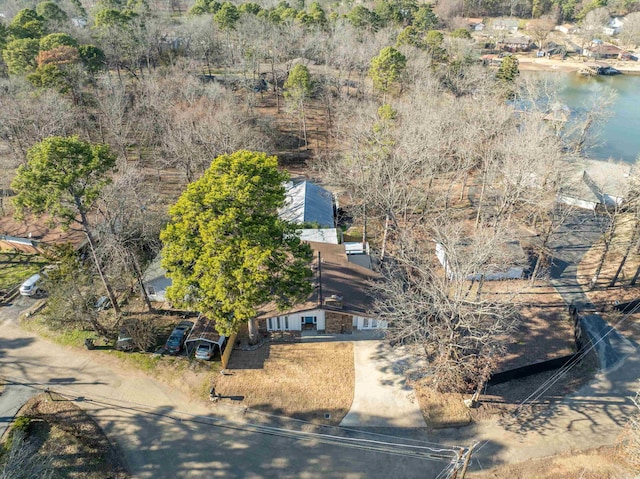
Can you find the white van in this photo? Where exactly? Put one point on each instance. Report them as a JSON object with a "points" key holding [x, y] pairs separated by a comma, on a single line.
{"points": [[30, 286]]}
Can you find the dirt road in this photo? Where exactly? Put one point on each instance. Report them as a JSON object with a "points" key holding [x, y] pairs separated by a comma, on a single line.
{"points": [[164, 434]]}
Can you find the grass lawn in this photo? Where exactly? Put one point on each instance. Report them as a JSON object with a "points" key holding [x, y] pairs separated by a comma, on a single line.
{"points": [[15, 268], [300, 380]]}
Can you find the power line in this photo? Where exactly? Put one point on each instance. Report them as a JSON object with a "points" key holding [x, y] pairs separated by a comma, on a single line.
{"points": [[565, 369], [398, 449]]}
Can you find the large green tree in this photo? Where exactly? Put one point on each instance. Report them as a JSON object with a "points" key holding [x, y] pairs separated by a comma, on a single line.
{"points": [[20, 55], [225, 249], [386, 68], [298, 89], [63, 177]]}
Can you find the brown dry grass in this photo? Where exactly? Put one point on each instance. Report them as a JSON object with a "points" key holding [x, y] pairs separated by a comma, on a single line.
{"points": [[442, 409], [303, 381], [76, 444], [602, 463]]}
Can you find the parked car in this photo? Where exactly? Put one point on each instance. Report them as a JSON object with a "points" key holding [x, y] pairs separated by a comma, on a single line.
{"points": [[124, 342], [175, 343], [204, 351], [30, 287]]}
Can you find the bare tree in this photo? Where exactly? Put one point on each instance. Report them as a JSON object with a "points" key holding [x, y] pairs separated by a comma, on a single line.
{"points": [[540, 29], [630, 34], [130, 226], [462, 336]]}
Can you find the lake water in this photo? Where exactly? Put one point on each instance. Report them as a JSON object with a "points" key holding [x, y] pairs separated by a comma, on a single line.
{"points": [[619, 138]]}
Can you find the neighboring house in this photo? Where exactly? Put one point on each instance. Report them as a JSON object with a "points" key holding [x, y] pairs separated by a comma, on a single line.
{"points": [[307, 203], [567, 28], [341, 301], [597, 184], [505, 24], [512, 250], [603, 51], [615, 26], [514, 44], [475, 24], [24, 245], [155, 281]]}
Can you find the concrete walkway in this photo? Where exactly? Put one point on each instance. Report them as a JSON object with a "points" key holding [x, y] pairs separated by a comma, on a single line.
{"points": [[382, 397]]}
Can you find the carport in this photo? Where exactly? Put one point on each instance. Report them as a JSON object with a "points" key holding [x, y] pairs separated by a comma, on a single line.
{"points": [[204, 331]]}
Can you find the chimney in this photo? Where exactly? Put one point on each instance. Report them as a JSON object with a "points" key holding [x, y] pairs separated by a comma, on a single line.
{"points": [[334, 301]]}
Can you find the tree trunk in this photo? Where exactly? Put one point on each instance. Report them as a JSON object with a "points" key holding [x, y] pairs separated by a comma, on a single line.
{"points": [[384, 237], [96, 260], [138, 274], [626, 255], [484, 183], [607, 244], [304, 125], [254, 332]]}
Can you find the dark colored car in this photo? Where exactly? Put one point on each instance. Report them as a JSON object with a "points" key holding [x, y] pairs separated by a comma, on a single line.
{"points": [[124, 342], [175, 343]]}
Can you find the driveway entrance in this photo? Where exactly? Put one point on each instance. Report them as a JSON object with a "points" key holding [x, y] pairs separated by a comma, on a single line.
{"points": [[382, 397]]}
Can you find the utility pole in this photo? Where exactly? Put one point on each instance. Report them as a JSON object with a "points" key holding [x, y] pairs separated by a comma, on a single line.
{"points": [[465, 465], [467, 459]]}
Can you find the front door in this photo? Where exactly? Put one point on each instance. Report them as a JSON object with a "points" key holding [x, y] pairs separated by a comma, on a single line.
{"points": [[309, 322]]}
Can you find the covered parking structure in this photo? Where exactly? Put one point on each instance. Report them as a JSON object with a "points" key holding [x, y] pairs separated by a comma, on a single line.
{"points": [[204, 331]]}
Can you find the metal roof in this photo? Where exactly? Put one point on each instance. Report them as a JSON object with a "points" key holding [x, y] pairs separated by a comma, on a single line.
{"points": [[307, 202]]}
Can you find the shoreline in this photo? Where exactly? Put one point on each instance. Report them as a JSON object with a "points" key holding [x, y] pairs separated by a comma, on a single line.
{"points": [[527, 63]]}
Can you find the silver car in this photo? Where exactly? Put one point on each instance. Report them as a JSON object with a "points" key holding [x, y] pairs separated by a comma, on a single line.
{"points": [[30, 286], [204, 351]]}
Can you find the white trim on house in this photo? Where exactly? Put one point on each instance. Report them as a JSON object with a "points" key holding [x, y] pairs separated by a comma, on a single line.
{"points": [[364, 323]]}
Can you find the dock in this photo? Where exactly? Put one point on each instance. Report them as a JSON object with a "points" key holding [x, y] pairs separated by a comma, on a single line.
{"points": [[593, 69]]}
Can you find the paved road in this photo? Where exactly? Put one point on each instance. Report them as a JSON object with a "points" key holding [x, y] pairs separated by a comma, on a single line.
{"points": [[569, 245], [382, 397], [14, 395], [164, 434]]}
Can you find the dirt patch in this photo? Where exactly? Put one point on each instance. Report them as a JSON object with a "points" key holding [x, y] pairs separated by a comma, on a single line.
{"points": [[76, 445], [601, 463], [303, 381]]}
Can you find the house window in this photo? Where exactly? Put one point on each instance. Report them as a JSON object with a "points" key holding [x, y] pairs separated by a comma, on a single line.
{"points": [[374, 323], [270, 324], [365, 323], [286, 323], [278, 323], [151, 290], [315, 320]]}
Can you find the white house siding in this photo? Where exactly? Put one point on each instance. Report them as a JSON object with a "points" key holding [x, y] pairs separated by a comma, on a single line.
{"points": [[293, 322], [571, 201], [360, 323]]}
